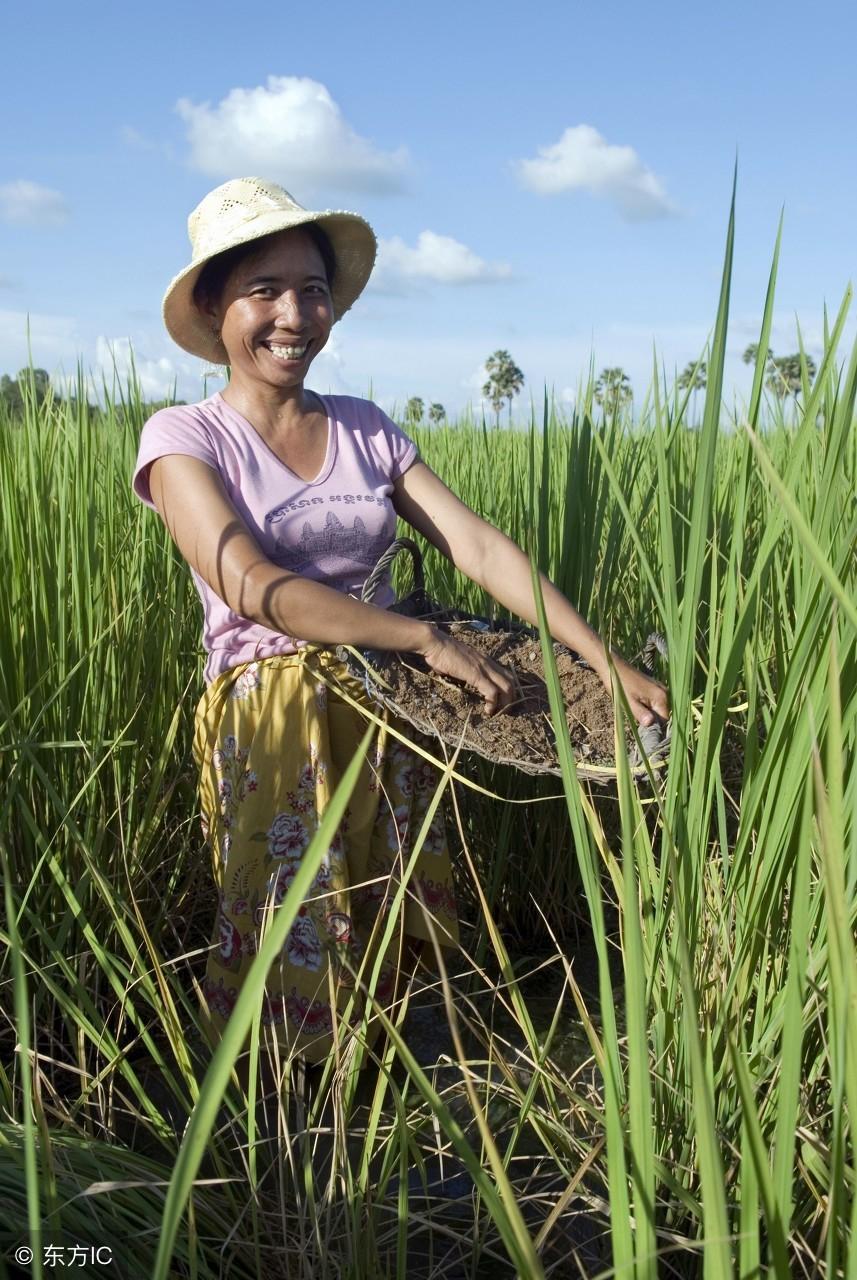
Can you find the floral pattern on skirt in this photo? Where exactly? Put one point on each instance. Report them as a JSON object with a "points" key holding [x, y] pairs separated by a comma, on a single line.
{"points": [[271, 741]]}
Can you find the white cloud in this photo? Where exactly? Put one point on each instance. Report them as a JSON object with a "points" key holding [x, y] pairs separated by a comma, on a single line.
{"points": [[328, 370], [133, 138], [475, 381], [473, 384], [159, 376], [290, 130], [583, 160], [389, 404], [438, 259], [31, 205], [59, 345]]}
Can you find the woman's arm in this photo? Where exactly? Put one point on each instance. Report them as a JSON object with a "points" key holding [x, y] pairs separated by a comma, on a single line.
{"points": [[492, 560], [208, 531]]}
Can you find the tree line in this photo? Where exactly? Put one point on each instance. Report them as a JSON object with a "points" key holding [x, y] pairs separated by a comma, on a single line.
{"points": [[612, 390], [34, 386], [503, 383], [783, 372], [32, 383]]}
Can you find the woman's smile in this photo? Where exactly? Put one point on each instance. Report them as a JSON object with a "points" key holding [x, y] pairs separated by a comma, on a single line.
{"points": [[290, 352]]}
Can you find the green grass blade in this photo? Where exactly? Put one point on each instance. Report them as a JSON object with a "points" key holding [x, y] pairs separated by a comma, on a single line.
{"points": [[622, 1240], [804, 532], [24, 1038], [642, 1137], [776, 1234]]}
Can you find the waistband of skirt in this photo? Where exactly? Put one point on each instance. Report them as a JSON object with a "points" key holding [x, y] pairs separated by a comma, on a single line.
{"points": [[317, 657]]}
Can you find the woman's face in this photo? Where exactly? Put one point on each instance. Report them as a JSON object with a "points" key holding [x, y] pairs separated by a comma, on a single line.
{"points": [[275, 313]]}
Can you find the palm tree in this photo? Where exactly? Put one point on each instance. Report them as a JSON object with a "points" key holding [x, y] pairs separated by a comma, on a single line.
{"points": [[784, 377], [613, 390], [436, 412], [493, 392], [783, 371], [414, 410], [751, 354], [505, 380], [694, 377]]}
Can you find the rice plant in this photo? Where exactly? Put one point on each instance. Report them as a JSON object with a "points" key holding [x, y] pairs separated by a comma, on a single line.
{"points": [[644, 1060]]}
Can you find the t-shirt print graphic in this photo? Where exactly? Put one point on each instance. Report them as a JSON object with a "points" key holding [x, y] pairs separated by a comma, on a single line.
{"points": [[335, 550]]}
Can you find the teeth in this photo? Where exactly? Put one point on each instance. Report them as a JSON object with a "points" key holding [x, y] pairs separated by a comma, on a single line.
{"points": [[286, 353]]}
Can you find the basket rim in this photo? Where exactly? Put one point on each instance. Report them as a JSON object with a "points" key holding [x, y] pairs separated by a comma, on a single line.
{"points": [[361, 663]]}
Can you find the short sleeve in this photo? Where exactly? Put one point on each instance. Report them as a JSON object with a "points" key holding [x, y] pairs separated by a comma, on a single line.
{"points": [[403, 451], [170, 430]]}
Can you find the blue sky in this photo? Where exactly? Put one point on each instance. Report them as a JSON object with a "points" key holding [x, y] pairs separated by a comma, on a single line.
{"points": [[552, 178]]}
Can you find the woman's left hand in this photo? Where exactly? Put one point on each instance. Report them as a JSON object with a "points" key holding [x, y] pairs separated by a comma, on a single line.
{"points": [[647, 698]]}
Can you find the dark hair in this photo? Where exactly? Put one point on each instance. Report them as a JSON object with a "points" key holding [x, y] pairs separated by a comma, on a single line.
{"points": [[212, 279]]}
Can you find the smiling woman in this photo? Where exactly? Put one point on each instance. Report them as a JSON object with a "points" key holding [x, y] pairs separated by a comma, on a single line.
{"points": [[282, 501]]}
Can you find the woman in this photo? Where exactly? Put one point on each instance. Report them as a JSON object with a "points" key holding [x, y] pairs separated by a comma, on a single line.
{"points": [[281, 501]]}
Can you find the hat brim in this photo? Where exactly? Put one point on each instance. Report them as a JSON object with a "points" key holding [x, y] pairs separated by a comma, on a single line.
{"points": [[354, 247]]}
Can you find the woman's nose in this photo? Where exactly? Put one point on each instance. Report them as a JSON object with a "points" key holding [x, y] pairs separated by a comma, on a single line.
{"points": [[289, 311]]}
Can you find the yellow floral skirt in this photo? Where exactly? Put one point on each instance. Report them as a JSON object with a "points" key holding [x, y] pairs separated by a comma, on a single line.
{"points": [[271, 740]]}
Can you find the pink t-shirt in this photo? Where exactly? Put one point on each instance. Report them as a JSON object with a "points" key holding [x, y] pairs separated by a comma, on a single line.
{"points": [[331, 529]]}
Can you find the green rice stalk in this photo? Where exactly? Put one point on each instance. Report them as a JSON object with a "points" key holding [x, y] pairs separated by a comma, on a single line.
{"points": [[641, 1133], [622, 1241], [24, 1037]]}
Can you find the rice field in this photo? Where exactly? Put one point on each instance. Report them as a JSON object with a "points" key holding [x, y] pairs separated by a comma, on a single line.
{"points": [[644, 1061]]}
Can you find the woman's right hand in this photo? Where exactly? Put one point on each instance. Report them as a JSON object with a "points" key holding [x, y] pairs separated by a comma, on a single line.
{"points": [[448, 657]]}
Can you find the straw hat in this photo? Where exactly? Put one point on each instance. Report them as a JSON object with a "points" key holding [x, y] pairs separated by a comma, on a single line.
{"points": [[243, 210]]}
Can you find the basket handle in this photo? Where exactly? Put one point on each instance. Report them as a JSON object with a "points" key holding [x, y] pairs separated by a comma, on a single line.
{"points": [[656, 644], [376, 577], [654, 738]]}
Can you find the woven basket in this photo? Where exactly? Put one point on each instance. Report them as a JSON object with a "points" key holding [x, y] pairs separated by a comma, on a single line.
{"points": [[380, 670]]}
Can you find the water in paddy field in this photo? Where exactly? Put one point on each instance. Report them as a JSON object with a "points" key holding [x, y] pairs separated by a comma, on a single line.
{"points": [[444, 1214], [543, 985], [538, 1182]]}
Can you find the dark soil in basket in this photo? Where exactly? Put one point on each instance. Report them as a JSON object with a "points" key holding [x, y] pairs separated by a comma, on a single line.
{"points": [[524, 732]]}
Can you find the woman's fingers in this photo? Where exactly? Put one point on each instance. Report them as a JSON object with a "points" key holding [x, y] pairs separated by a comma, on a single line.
{"points": [[490, 681], [660, 703], [643, 714], [498, 692], [647, 698], [487, 678]]}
